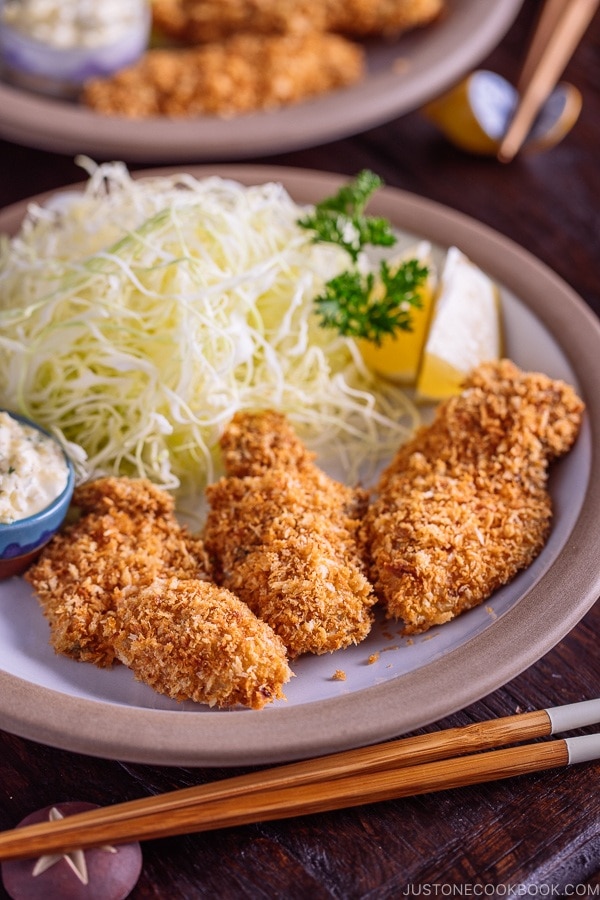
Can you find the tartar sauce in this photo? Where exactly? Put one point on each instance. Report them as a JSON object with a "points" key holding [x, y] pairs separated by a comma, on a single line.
{"points": [[67, 24], [33, 470]]}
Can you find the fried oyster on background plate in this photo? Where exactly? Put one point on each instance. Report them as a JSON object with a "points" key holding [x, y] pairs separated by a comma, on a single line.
{"points": [[244, 74], [199, 21], [126, 576], [464, 505], [283, 536], [242, 56]]}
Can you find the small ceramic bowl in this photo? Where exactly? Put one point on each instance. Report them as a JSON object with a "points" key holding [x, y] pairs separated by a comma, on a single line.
{"points": [[60, 71], [22, 540]]}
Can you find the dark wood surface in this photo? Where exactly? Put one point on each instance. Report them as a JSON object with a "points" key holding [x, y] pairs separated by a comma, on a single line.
{"points": [[533, 836]]}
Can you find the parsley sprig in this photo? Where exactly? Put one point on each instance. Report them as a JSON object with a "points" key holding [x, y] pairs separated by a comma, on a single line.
{"points": [[341, 219], [356, 304]]}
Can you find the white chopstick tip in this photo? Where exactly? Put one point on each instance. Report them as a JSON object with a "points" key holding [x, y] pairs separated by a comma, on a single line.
{"points": [[584, 748], [574, 715], [505, 157]]}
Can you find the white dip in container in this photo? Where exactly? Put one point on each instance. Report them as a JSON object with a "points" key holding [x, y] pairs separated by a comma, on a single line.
{"points": [[33, 470], [54, 46]]}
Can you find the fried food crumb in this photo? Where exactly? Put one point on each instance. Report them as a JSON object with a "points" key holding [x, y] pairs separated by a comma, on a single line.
{"points": [[282, 566], [241, 56]]}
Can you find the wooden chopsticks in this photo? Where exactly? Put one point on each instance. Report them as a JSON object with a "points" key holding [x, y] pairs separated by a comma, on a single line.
{"points": [[560, 28], [408, 766]]}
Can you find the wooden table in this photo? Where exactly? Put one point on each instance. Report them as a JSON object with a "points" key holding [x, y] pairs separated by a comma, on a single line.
{"points": [[533, 836]]}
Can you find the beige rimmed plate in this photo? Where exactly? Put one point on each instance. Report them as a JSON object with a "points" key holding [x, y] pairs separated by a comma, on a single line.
{"points": [[392, 685], [401, 76]]}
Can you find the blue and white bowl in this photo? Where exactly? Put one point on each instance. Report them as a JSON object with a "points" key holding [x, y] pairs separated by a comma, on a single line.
{"points": [[22, 540]]}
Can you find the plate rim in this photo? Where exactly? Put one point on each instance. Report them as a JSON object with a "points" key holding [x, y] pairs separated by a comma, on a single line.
{"points": [[54, 125], [495, 656]]}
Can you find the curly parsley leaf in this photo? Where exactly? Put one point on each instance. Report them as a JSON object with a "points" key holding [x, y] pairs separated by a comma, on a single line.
{"points": [[360, 306], [341, 219], [355, 304]]}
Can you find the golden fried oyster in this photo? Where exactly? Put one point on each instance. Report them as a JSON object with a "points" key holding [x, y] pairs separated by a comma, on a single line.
{"points": [[193, 641], [200, 21], [126, 534], [283, 536], [244, 74], [464, 505]]}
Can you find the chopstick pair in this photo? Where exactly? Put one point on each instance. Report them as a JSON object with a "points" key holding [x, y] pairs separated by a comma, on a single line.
{"points": [[559, 30], [408, 766]]}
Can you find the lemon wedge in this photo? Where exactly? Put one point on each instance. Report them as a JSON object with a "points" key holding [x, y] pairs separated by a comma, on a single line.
{"points": [[465, 328], [398, 355]]}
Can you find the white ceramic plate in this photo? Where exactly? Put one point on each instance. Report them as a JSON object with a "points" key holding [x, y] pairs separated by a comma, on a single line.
{"points": [[432, 59], [105, 712]]}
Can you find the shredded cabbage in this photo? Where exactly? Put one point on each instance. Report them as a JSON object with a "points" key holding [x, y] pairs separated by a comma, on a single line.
{"points": [[138, 315]]}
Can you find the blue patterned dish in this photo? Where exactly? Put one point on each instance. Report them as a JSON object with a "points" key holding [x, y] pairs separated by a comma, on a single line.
{"points": [[22, 540]]}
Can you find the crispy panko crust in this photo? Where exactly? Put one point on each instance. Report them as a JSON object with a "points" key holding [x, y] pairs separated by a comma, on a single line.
{"points": [[127, 535], [203, 21], [256, 444], [91, 576], [245, 73], [193, 641], [464, 505], [370, 18], [200, 21], [283, 536]]}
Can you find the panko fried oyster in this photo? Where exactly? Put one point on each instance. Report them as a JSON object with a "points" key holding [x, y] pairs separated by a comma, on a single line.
{"points": [[191, 640], [283, 537], [464, 505], [199, 21], [243, 74]]}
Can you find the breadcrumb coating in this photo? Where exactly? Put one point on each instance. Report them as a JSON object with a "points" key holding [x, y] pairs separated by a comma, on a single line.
{"points": [[282, 535], [255, 444], [193, 641], [203, 21], [244, 74], [464, 505], [127, 543], [200, 21], [372, 18], [127, 535]]}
